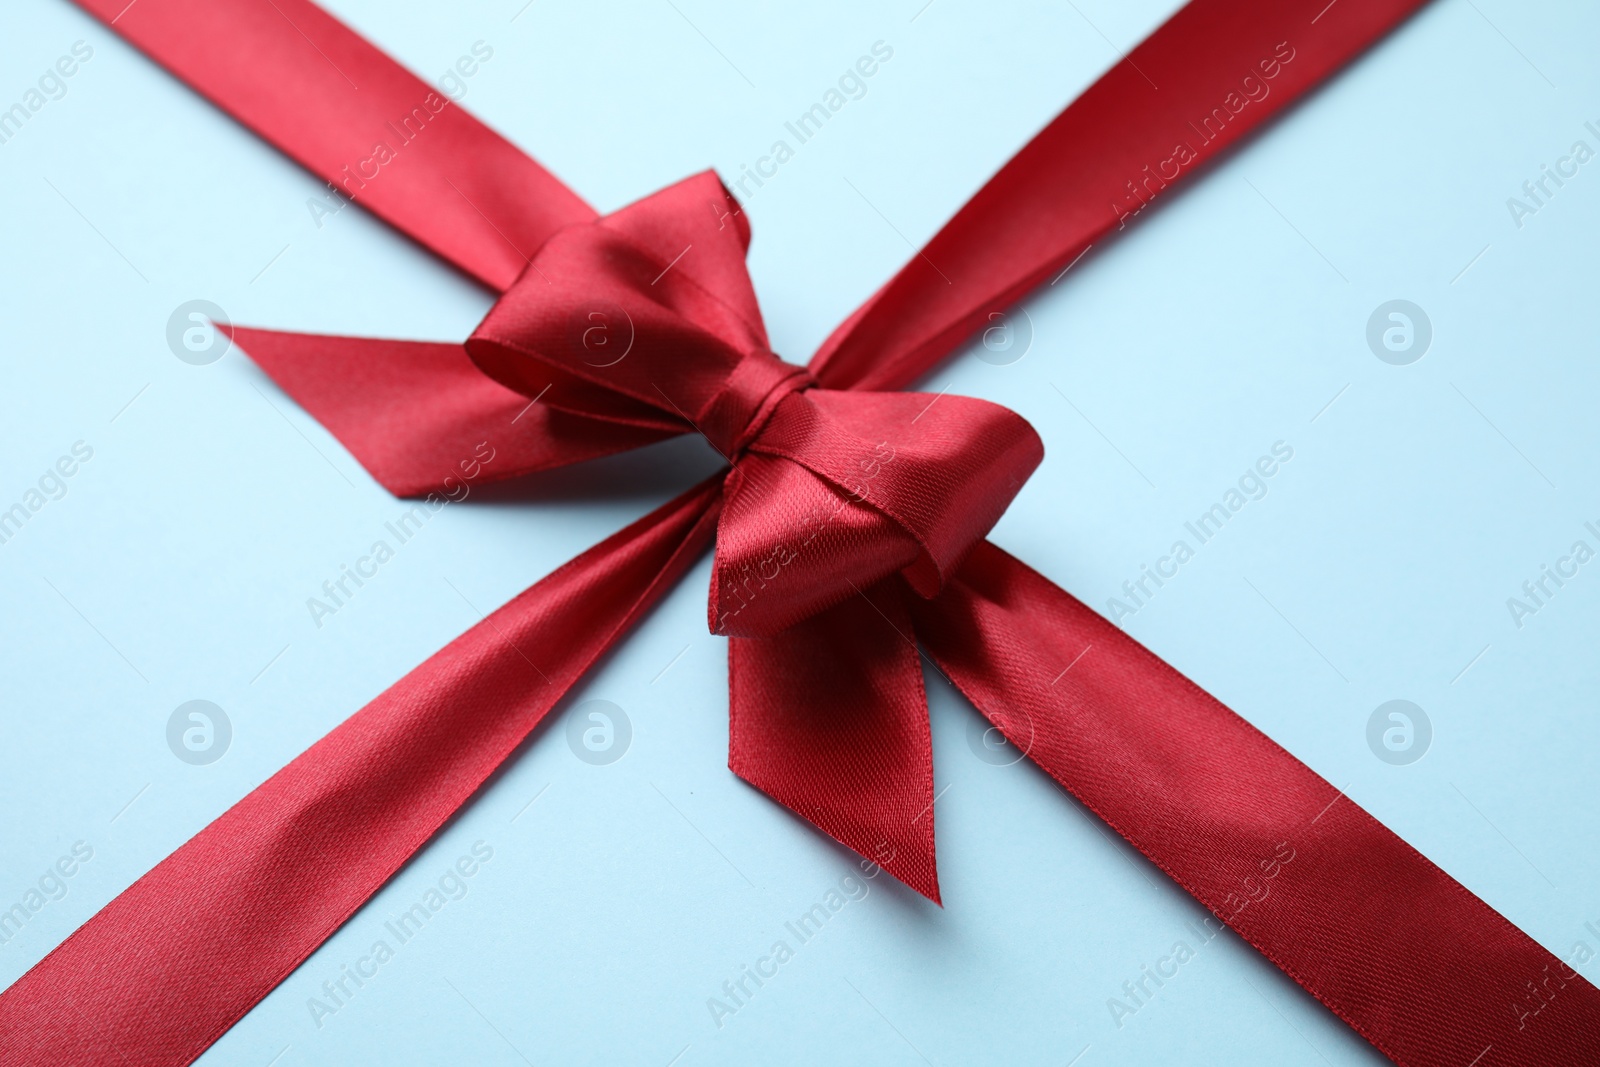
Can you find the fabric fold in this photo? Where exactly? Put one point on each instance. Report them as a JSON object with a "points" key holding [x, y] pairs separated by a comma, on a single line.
{"points": [[421, 417]]}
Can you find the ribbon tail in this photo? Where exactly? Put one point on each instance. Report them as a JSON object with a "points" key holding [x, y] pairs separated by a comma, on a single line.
{"points": [[1346, 908], [225, 918], [831, 721], [420, 416], [1210, 75], [322, 93]]}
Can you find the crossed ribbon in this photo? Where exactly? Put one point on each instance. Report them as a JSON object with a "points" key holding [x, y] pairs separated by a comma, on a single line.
{"points": [[838, 504], [849, 540]]}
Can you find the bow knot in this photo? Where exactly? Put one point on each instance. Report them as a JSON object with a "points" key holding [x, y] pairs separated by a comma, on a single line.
{"points": [[647, 318], [750, 394]]}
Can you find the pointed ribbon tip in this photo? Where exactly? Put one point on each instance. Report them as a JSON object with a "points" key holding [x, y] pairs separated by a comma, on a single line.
{"points": [[831, 721]]}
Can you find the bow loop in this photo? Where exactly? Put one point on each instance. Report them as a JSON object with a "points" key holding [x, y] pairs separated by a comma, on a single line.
{"points": [[752, 393], [641, 317], [840, 490], [647, 317]]}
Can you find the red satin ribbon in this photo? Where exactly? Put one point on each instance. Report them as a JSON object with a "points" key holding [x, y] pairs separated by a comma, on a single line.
{"points": [[850, 525]]}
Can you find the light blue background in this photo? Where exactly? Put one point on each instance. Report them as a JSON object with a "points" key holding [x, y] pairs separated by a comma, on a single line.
{"points": [[1416, 503]]}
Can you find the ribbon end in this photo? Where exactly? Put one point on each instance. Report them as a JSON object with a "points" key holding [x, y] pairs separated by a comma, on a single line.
{"points": [[906, 853], [830, 721], [921, 875]]}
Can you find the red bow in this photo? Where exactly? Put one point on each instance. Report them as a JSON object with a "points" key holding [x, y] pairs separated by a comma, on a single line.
{"points": [[647, 318], [839, 504], [850, 532]]}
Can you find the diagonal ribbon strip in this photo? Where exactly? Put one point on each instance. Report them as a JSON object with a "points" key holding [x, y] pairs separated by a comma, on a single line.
{"points": [[1214, 72], [1212, 801], [325, 96], [410, 411], [164, 969], [1426, 971]]}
